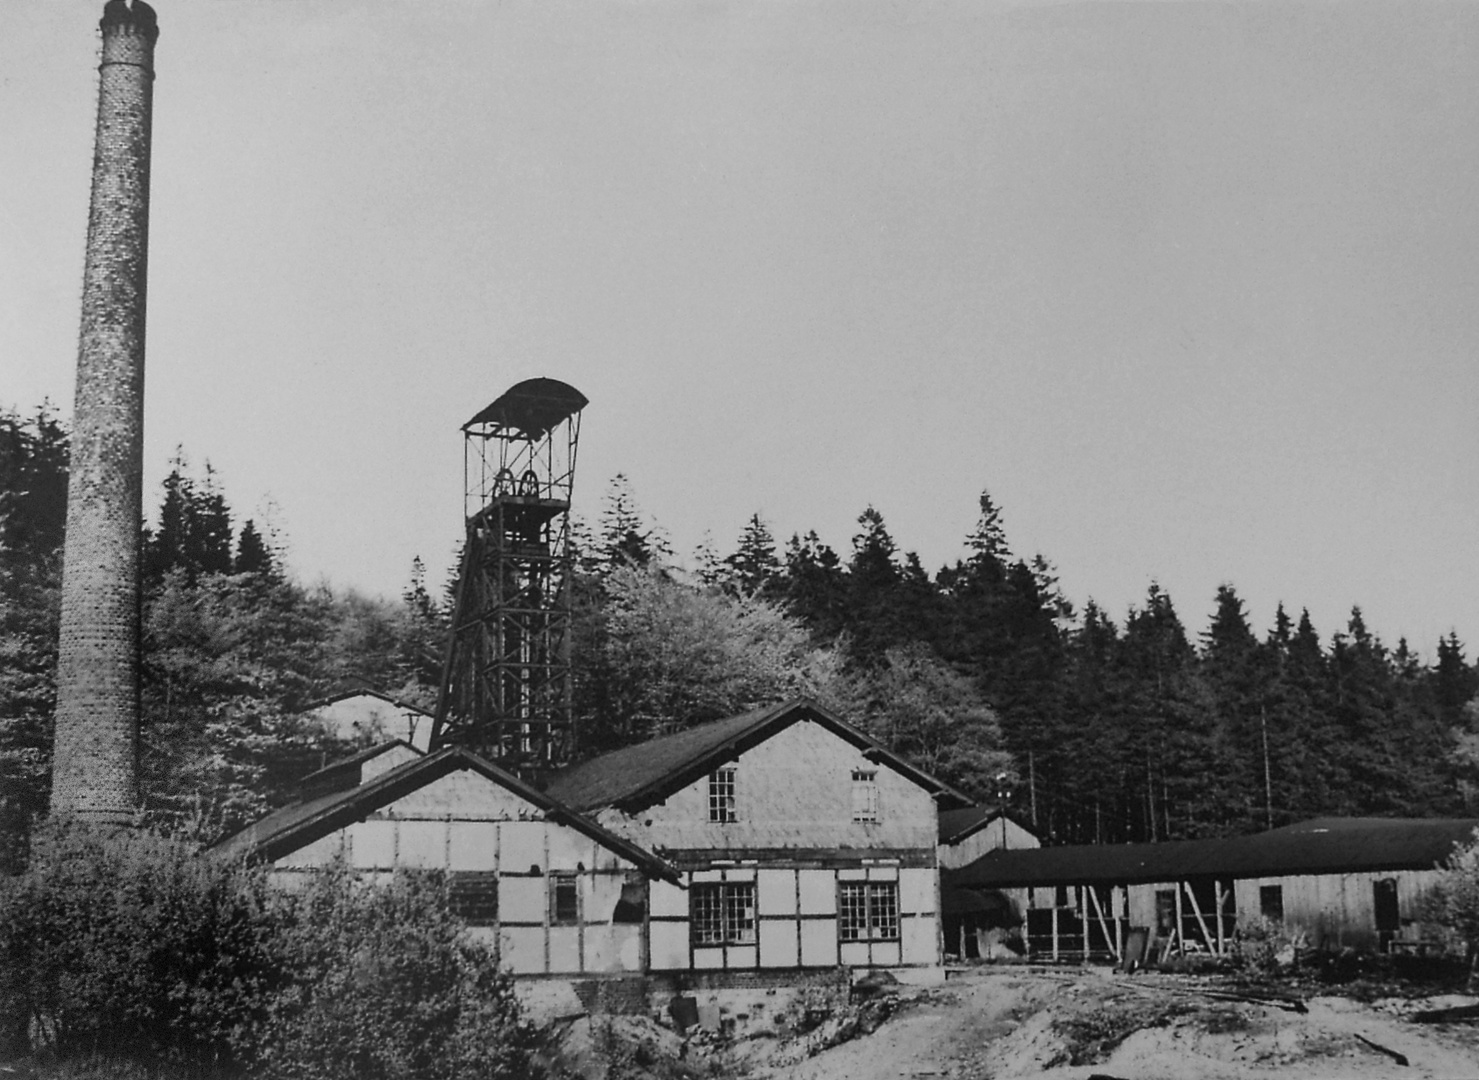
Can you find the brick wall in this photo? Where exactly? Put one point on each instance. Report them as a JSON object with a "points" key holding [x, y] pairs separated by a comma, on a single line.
{"points": [[94, 771]]}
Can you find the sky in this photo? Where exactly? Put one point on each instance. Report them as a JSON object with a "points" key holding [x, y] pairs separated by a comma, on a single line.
{"points": [[1189, 287]]}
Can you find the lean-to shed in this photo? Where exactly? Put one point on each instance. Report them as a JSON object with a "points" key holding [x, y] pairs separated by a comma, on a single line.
{"points": [[1352, 882], [554, 891], [802, 841]]}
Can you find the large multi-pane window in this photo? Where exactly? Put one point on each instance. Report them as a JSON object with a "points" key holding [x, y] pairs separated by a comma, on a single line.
{"points": [[723, 913], [868, 910], [865, 794], [721, 795]]}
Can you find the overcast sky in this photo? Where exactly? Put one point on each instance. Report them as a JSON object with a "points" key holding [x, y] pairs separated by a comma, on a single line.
{"points": [[1192, 288]]}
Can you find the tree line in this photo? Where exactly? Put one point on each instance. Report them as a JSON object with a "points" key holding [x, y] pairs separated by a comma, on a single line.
{"points": [[1089, 727]]}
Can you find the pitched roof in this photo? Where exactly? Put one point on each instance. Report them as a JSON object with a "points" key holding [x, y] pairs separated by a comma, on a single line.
{"points": [[1320, 846], [292, 827], [956, 825], [637, 776], [355, 689], [345, 773]]}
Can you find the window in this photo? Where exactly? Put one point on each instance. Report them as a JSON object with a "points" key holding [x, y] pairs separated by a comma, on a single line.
{"points": [[723, 913], [473, 897], [1271, 902], [865, 795], [564, 900], [1165, 912], [721, 795], [1388, 912], [868, 911]]}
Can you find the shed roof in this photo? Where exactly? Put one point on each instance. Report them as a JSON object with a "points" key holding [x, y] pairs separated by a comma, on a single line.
{"points": [[1320, 846], [295, 826], [640, 775]]}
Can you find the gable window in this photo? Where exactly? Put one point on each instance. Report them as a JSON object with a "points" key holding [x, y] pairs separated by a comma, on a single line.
{"points": [[723, 913], [865, 794], [721, 795], [1271, 902], [473, 897], [868, 911], [564, 900]]}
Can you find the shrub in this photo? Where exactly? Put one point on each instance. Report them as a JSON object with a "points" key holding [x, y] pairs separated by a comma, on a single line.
{"points": [[1453, 902], [1265, 947], [130, 944], [124, 951], [386, 984]]}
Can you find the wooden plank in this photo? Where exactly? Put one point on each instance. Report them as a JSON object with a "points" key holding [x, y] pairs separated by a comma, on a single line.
{"points": [[1111, 939], [1217, 895], [1196, 910]]}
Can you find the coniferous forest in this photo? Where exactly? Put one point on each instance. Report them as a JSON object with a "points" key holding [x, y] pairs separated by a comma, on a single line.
{"points": [[1093, 726]]}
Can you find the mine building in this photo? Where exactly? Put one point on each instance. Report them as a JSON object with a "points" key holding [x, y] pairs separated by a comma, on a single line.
{"points": [[801, 841]]}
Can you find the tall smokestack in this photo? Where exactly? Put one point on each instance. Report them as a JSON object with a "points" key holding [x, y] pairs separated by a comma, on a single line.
{"points": [[95, 762]]}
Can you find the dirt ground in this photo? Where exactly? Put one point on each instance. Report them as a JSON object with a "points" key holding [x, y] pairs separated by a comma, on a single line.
{"points": [[1017, 1022]]}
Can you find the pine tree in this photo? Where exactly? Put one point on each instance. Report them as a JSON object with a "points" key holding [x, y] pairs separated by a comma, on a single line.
{"points": [[252, 556], [754, 569], [815, 585], [626, 539], [1232, 667]]}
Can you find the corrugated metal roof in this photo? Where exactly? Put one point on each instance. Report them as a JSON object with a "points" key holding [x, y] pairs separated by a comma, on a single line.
{"points": [[293, 827], [640, 775], [1320, 846]]}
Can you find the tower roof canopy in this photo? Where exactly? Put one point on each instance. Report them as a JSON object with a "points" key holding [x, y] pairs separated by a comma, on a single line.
{"points": [[531, 407]]}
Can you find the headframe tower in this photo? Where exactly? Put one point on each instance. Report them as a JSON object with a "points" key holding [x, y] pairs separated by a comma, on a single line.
{"points": [[94, 762], [506, 690]]}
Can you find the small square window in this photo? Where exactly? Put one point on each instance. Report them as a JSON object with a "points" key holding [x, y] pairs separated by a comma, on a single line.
{"points": [[865, 795], [473, 897], [564, 900], [721, 795]]}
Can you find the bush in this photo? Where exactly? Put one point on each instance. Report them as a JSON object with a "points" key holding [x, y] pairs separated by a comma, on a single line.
{"points": [[1453, 902], [388, 985], [130, 944], [126, 950], [1265, 947]]}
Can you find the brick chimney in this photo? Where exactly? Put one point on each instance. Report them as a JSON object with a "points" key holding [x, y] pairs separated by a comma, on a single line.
{"points": [[95, 762]]}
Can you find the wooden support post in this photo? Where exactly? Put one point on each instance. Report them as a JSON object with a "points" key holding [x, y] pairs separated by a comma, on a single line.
{"points": [[1197, 911], [1083, 918], [1110, 938], [1119, 901], [1221, 938], [1055, 929], [1180, 936]]}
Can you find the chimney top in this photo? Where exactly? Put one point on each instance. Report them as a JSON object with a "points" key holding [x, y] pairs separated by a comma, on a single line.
{"points": [[140, 16]]}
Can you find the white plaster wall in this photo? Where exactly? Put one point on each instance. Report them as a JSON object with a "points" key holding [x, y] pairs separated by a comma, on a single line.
{"points": [[792, 791], [988, 838]]}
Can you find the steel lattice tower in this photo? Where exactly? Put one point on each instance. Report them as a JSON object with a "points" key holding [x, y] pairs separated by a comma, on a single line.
{"points": [[506, 689]]}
